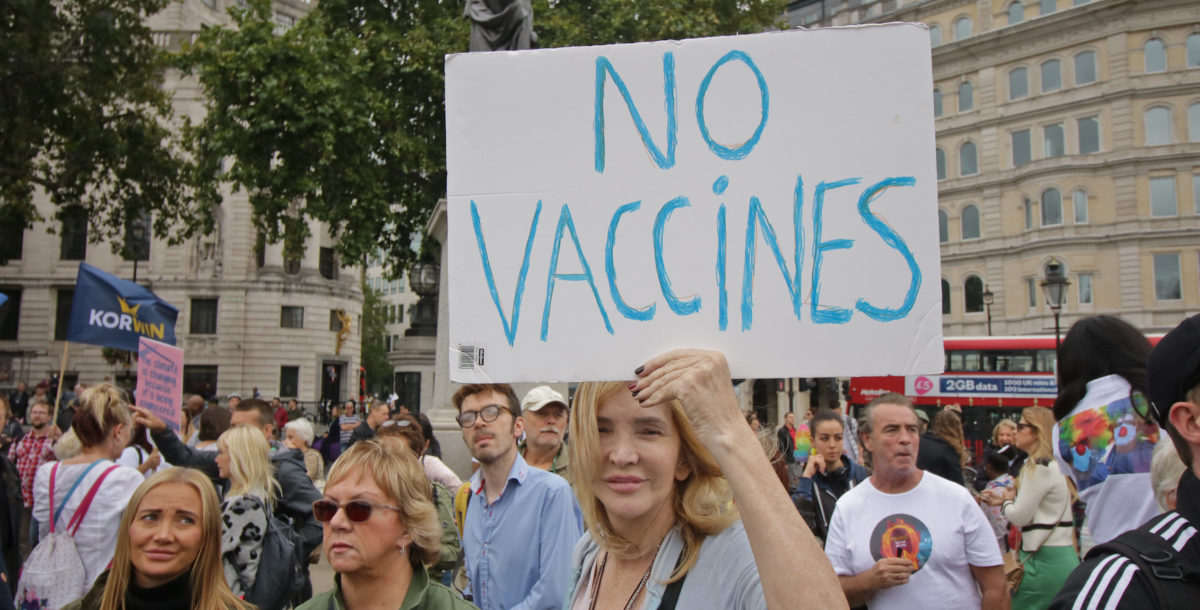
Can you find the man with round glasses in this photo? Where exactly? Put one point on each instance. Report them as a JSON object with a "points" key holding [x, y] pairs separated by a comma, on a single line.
{"points": [[521, 523]]}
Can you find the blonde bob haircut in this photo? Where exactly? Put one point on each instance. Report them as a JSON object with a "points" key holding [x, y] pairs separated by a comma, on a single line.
{"points": [[209, 589], [1003, 424], [395, 469], [703, 504], [250, 471], [1042, 420]]}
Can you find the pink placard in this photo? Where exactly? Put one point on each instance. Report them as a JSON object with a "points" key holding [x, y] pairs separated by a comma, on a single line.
{"points": [[160, 380]]}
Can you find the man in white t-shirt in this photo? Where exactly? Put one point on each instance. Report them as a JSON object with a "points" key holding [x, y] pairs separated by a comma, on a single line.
{"points": [[901, 539]]}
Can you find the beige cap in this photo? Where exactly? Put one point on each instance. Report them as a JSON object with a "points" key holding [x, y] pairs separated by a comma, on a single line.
{"points": [[541, 396]]}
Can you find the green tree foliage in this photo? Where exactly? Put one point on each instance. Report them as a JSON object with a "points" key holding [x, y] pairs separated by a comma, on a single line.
{"points": [[341, 118], [374, 348], [83, 117], [338, 119], [561, 23]]}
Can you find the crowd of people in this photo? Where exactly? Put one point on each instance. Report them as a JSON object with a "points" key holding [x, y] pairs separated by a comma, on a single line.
{"points": [[656, 492]]}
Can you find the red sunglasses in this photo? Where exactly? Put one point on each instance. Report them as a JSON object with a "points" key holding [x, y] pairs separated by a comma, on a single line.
{"points": [[356, 510]]}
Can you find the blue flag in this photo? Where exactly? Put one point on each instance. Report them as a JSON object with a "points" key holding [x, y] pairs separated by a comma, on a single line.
{"points": [[112, 312], [3, 298]]}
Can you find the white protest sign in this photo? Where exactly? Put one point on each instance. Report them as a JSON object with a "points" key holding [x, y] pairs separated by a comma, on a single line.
{"points": [[771, 196]]}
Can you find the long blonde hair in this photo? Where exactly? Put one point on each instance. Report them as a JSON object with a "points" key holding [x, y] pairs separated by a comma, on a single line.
{"points": [[209, 589], [703, 503], [1042, 420], [398, 474], [250, 471]]}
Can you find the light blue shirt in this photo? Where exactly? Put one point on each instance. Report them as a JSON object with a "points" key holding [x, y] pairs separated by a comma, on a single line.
{"points": [[518, 548]]}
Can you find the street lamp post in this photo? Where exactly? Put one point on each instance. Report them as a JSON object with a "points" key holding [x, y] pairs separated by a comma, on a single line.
{"points": [[1054, 288], [988, 298], [423, 277]]}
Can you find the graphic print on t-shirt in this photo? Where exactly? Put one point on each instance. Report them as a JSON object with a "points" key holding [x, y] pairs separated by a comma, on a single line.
{"points": [[1109, 439], [904, 536]]}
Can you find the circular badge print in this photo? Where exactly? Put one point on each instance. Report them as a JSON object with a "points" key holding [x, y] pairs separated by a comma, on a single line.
{"points": [[902, 536]]}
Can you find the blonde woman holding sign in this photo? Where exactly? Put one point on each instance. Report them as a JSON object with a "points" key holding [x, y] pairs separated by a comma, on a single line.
{"points": [[668, 470]]}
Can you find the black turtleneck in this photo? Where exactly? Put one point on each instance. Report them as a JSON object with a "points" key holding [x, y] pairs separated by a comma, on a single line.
{"points": [[174, 595]]}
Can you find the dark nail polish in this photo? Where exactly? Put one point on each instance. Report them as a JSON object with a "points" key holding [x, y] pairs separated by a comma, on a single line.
{"points": [[635, 394], [638, 370]]}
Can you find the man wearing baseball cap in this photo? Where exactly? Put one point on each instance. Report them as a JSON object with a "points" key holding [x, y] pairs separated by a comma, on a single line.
{"points": [[546, 413], [1158, 564]]}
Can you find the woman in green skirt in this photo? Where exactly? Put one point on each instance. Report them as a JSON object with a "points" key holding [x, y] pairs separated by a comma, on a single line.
{"points": [[1041, 506]]}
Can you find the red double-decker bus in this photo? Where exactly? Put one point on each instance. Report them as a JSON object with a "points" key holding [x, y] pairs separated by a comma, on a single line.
{"points": [[990, 377]]}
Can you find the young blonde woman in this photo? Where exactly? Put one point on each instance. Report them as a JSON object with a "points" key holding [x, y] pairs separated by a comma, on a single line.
{"points": [[244, 457], [168, 554], [660, 460], [1041, 506]]}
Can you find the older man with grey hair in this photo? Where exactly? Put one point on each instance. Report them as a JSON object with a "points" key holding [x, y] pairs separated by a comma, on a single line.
{"points": [[901, 539], [546, 414]]}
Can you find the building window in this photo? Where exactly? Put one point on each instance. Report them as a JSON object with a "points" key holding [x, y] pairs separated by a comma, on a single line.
{"points": [[966, 96], [408, 391], [137, 238], [203, 319], [1045, 7], [1016, 13], [1085, 68], [328, 264], [1196, 192], [282, 22], [968, 162], [945, 298], [941, 164], [10, 314], [1167, 277], [935, 35], [1194, 122], [943, 227], [1028, 213], [937, 102], [289, 381], [1193, 51], [1051, 208], [291, 317], [973, 294], [291, 264], [1089, 134], [1051, 76], [12, 241], [1155, 55], [962, 28], [1031, 291], [335, 323], [1021, 148], [62, 312], [1162, 197], [1158, 126], [73, 246], [210, 3], [1018, 84], [970, 222], [200, 379], [1055, 141], [1085, 288], [399, 314], [1079, 203]]}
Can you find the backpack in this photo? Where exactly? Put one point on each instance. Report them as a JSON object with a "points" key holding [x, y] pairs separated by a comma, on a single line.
{"points": [[1173, 584], [281, 569], [54, 575]]}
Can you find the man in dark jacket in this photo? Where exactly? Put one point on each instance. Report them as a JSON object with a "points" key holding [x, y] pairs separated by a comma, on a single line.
{"points": [[19, 400], [296, 488], [787, 446], [366, 430]]}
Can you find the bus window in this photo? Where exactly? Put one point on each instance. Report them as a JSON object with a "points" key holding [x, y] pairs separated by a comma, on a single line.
{"points": [[1017, 362], [1045, 361], [971, 361]]}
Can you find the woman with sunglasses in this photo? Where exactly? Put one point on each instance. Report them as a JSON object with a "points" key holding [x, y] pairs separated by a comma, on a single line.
{"points": [[1104, 439], [381, 529], [1041, 506], [244, 457]]}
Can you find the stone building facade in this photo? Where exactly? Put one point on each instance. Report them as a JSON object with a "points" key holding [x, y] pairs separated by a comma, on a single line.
{"points": [[247, 318], [1067, 131]]}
